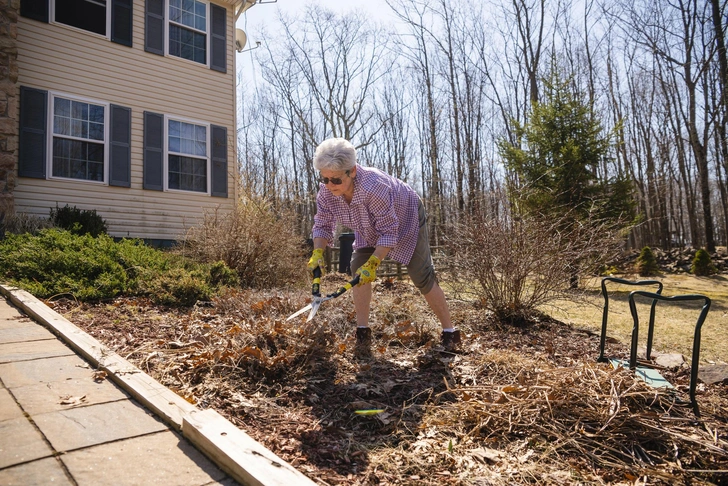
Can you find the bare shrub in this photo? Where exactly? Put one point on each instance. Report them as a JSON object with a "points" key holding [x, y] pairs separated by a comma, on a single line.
{"points": [[512, 266], [260, 245], [21, 223]]}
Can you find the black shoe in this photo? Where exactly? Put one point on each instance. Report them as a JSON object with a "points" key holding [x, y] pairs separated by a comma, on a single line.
{"points": [[363, 348], [363, 336], [450, 340]]}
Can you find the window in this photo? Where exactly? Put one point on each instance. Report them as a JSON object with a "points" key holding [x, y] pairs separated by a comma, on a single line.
{"points": [[78, 139], [188, 30], [90, 15], [187, 156]]}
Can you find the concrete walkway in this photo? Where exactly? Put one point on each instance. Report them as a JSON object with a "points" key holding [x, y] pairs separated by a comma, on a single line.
{"points": [[58, 425], [63, 423]]}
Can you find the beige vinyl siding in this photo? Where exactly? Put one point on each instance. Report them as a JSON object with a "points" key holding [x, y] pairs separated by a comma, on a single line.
{"points": [[73, 62]]}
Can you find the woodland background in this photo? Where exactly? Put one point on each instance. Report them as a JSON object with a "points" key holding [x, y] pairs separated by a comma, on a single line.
{"points": [[449, 101]]}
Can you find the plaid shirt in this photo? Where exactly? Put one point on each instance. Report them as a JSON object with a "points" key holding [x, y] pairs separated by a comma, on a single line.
{"points": [[383, 212]]}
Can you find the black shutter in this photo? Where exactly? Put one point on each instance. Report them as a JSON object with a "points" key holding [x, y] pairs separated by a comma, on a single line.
{"points": [[218, 39], [32, 147], [219, 174], [153, 151], [154, 27], [120, 153], [121, 22], [34, 9]]}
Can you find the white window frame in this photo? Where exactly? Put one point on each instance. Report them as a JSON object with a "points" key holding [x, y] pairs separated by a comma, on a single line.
{"points": [[168, 22], [52, 20], [208, 154], [52, 95]]}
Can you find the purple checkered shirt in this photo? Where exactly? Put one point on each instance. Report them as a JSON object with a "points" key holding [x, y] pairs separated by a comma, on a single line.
{"points": [[383, 212]]}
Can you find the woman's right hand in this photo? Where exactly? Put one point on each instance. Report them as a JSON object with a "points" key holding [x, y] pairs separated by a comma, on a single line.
{"points": [[316, 260]]}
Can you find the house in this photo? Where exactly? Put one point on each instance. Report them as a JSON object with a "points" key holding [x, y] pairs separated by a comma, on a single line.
{"points": [[123, 106]]}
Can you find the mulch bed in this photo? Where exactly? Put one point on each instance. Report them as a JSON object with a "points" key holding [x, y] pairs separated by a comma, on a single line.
{"points": [[518, 405]]}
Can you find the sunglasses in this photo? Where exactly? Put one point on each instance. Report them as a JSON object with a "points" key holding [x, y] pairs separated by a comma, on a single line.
{"points": [[334, 180]]}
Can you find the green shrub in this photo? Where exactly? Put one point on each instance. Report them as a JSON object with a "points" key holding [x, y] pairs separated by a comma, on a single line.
{"points": [[177, 287], [78, 221], [222, 275], [57, 262], [702, 264], [647, 263], [608, 270]]}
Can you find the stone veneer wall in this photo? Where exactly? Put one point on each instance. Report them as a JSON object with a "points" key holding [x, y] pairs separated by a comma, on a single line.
{"points": [[9, 10]]}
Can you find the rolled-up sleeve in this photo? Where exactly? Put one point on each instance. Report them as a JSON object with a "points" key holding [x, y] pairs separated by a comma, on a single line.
{"points": [[323, 222]]}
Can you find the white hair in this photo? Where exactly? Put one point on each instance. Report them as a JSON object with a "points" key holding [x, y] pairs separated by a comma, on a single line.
{"points": [[336, 154]]}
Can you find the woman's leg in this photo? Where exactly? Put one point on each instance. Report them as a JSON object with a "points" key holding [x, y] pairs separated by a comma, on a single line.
{"points": [[436, 299], [362, 293], [362, 300]]}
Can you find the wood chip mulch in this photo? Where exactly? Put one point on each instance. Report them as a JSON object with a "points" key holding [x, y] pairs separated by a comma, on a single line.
{"points": [[517, 405]]}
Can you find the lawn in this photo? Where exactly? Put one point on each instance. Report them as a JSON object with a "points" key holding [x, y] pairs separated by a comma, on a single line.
{"points": [[674, 321]]}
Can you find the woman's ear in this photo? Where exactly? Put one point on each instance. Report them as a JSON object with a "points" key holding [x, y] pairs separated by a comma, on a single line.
{"points": [[352, 172]]}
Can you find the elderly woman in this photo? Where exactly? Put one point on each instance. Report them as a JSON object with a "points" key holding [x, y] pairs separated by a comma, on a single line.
{"points": [[388, 219]]}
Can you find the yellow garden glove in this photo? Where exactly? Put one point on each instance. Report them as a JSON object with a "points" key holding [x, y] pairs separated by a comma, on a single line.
{"points": [[368, 272], [316, 260]]}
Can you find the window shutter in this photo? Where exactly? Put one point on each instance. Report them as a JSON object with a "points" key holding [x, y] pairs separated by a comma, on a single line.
{"points": [[121, 22], [219, 174], [218, 39], [154, 27], [153, 151], [35, 9], [32, 147], [120, 153]]}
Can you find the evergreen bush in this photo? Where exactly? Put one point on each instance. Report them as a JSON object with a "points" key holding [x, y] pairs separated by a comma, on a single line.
{"points": [[78, 221], [57, 262], [702, 264], [647, 263]]}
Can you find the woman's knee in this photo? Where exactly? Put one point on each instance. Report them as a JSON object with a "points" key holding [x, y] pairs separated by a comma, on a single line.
{"points": [[424, 281]]}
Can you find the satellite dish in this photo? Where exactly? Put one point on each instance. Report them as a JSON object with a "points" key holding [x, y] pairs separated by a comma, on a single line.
{"points": [[240, 39]]}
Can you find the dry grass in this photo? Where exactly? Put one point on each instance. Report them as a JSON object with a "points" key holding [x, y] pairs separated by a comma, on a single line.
{"points": [[531, 422], [674, 321]]}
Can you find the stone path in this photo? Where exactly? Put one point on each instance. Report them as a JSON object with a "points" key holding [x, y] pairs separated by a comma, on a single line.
{"points": [[59, 425]]}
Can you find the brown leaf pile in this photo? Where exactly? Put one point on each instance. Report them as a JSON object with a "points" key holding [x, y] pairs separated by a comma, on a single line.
{"points": [[524, 405]]}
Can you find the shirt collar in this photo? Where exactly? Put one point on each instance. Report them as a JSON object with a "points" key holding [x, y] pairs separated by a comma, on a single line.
{"points": [[359, 192]]}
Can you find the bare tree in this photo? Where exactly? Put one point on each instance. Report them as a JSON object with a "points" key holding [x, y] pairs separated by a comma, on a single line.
{"points": [[530, 21], [672, 33], [415, 47], [721, 144], [391, 149]]}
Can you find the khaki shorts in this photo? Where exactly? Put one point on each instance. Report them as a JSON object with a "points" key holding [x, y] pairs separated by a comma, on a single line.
{"points": [[420, 268]]}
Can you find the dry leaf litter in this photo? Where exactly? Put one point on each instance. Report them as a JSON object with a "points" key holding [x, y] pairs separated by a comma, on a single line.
{"points": [[518, 405]]}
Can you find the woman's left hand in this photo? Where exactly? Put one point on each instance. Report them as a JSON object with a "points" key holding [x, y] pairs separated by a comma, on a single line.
{"points": [[368, 272]]}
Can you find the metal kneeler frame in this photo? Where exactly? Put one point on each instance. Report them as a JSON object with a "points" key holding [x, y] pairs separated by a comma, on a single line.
{"points": [[655, 296], [696, 338], [605, 313]]}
